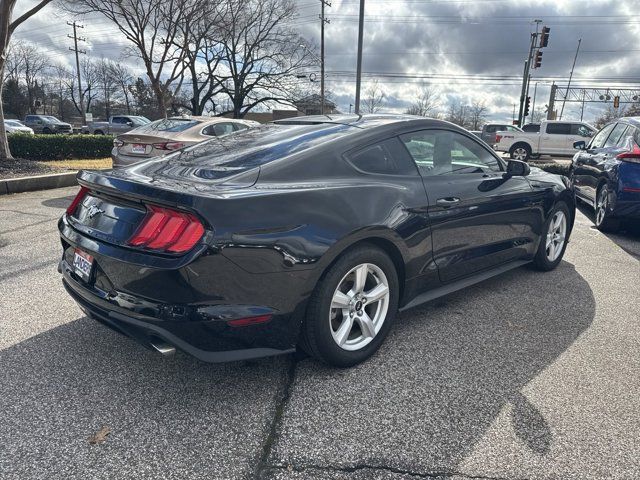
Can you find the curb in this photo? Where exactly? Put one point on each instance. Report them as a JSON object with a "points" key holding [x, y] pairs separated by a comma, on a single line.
{"points": [[37, 182]]}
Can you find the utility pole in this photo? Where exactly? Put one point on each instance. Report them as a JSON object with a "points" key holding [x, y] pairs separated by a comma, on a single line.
{"points": [[525, 80], [78, 52], [359, 68], [322, 22], [552, 102], [533, 106], [570, 77]]}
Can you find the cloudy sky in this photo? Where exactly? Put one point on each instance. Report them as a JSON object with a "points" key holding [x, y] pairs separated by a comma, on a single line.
{"points": [[467, 50]]}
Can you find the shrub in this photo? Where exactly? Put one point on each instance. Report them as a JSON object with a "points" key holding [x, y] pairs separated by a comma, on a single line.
{"points": [[557, 168], [60, 147]]}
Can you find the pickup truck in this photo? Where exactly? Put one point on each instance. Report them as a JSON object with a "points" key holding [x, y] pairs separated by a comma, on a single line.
{"points": [[554, 138], [117, 124], [489, 130]]}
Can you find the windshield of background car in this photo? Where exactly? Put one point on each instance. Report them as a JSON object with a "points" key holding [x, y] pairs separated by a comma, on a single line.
{"points": [[140, 120], [223, 156], [13, 123], [172, 125], [51, 119]]}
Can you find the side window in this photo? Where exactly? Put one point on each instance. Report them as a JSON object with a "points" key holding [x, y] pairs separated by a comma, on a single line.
{"points": [[510, 128], [239, 126], [601, 136], [119, 120], [580, 129], [388, 157], [559, 128], [441, 152], [630, 134], [221, 129], [616, 133], [491, 129]]}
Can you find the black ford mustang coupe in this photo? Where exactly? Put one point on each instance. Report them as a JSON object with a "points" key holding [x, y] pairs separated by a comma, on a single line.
{"points": [[308, 232]]}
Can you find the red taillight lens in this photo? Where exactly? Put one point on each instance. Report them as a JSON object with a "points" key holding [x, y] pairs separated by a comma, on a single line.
{"points": [[168, 146], [76, 201], [498, 138], [633, 155], [167, 230]]}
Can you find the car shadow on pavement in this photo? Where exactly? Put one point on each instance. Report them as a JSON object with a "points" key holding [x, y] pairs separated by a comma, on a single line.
{"points": [[169, 416], [59, 202], [447, 372], [627, 238]]}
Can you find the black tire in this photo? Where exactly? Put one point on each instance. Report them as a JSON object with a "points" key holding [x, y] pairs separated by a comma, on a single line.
{"points": [[98, 132], [317, 338], [46, 131], [603, 219], [521, 150], [541, 261]]}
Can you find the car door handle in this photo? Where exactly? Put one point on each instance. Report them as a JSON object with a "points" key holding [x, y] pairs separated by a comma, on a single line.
{"points": [[447, 201]]}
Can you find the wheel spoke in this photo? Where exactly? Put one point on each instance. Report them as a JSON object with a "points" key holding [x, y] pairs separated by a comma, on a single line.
{"points": [[366, 325], [376, 293], [549, 240], [343, 332], [360, 278], [340, 300]]}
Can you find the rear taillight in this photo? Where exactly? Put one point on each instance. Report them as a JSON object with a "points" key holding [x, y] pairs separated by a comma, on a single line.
{"points": [[168, 146], [71, 209], [498, 138], [167, 230], [632, 155]]}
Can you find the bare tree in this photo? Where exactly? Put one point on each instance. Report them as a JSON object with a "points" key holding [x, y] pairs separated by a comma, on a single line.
{"points": [[537, 115], [28, 64], [427, 104], [458, 113], [477, 115], [122, 78], [374, 98], [7, 27], [152, 27], [261, 54]]}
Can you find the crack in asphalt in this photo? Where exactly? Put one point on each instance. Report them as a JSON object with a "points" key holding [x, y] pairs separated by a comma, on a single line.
{"points": [[282, 399], [400, 471]]}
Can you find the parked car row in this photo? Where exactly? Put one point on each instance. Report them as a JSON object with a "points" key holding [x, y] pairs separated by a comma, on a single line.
{"points": [[16, 126]]}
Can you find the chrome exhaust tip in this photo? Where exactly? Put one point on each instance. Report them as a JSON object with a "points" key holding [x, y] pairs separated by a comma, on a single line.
{"points": [[163, 348]]}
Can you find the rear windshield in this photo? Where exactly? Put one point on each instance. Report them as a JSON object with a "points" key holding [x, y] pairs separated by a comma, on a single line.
{"points": [[222, 156], [173, 125]]}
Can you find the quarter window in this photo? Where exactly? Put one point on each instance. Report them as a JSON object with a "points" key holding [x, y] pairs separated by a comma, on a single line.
{"points": [[559, 128], [388, 157], [442, 152]]}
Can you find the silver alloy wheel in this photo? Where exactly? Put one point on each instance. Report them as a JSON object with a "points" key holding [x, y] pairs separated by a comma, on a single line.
{"points": [[520, 153], [359, 306], [556, 235], [601, 206]]}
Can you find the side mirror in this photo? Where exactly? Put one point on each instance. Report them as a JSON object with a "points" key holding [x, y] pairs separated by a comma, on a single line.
{"points": [[130, 123], [580, 145], [516, 168]]}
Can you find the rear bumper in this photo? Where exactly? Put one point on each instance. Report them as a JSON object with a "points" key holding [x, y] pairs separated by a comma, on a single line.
{"points": [[120, 160], [201, 332], [627, 210]]}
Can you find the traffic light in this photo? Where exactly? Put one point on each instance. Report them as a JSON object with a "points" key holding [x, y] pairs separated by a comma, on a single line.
{"points": [[544, 37], [616, 101], [538, 60], [527, 104]]}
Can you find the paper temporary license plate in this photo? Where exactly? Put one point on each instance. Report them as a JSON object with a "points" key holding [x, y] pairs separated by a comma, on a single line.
{"points": [[138, 148], [82, 264]]}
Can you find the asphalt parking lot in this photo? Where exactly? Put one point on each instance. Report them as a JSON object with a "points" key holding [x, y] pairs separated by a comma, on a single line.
{"points": [[527, 375]]}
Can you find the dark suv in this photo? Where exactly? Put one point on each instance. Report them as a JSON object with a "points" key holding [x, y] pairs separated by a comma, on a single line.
{"points": [[47, 124]]}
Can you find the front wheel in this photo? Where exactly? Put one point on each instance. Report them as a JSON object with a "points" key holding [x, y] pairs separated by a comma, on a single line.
{"points": [[352, 308], [554, 239], [604, 222], [520, 151]]}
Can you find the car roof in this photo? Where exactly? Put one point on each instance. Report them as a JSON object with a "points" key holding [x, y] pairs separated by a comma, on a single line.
{"points": [[635, 121], [202, 118]]}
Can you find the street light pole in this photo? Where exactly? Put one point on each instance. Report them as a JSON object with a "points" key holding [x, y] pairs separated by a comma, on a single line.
{"points": [[359, 68]]}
